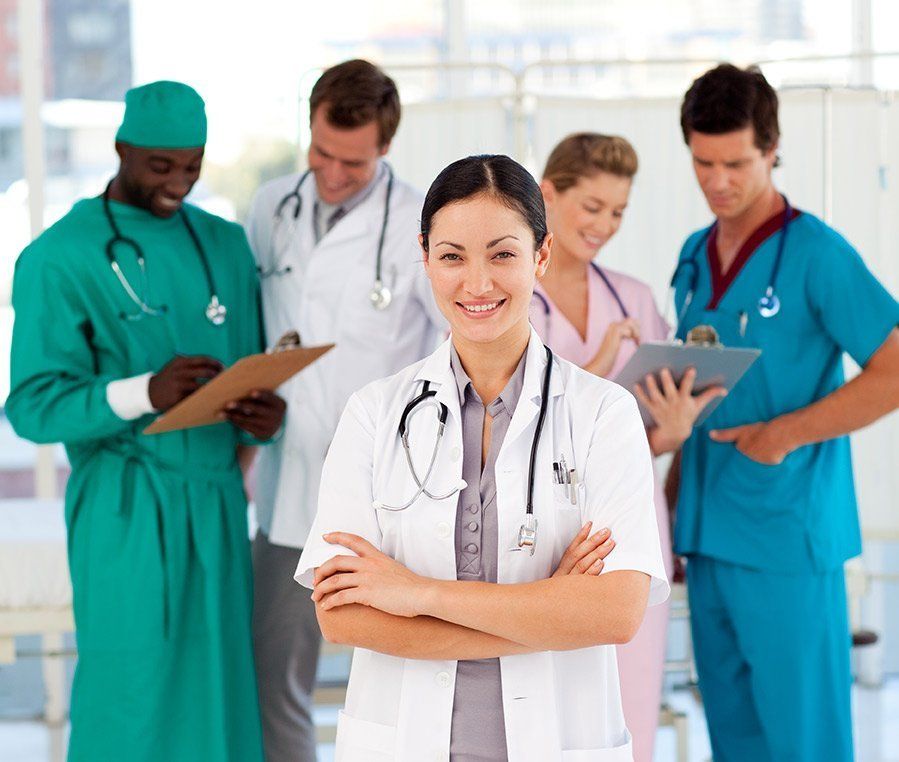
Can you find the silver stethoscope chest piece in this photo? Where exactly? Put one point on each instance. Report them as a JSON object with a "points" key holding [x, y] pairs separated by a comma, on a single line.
{"points": [[216, 312], [527, 534], [380, 296], [769, 304]]}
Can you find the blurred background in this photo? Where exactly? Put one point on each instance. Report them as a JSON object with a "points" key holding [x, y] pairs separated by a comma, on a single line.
{"points": [[510, 76]]}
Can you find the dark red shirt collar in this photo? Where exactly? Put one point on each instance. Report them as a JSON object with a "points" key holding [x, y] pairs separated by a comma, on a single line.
{"points": [[722, 281]]}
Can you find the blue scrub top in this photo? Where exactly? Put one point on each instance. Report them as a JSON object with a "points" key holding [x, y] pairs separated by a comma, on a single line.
{"points": [[799, 516]]}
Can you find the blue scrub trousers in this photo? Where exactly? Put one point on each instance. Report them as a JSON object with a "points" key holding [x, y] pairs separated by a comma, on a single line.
{"points": [[772, 652]]}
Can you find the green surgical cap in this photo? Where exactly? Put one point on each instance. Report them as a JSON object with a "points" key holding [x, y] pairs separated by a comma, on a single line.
{"points": [[163, 115]]}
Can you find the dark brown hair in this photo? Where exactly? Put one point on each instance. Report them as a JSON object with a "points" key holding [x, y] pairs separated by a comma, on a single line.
{"points": [[585, 154], [357, 93], [725, 99]]}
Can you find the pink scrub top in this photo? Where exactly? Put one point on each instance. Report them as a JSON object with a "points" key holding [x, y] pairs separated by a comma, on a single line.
{"points": [[602, 310]]}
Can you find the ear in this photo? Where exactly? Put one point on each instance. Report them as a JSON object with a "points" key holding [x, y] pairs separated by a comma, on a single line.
{"points": [[771, 153], [424, 251], [543, 255], [548, 190], [384, 149], [120, 150]]}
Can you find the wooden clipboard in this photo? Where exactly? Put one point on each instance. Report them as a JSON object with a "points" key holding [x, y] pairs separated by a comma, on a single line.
{"points": [[262, 371]]}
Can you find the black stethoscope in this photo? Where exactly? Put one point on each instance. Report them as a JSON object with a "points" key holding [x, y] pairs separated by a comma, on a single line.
{"points": [[380, 295], [769, 302], [216, 312], [605, 279], [527, 534]]}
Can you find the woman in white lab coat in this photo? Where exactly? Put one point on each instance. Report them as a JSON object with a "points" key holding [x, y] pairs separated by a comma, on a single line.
{"points": [[449, 664]]}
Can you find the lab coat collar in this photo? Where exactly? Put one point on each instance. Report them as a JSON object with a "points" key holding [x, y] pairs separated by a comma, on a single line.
{"points": [[438, 371], [363, 220]]}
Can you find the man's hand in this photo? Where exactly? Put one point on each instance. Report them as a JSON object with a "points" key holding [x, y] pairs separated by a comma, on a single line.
{"points": [[585, 554], [181, 377], [762, 442], [674, 409], [260, 413]]}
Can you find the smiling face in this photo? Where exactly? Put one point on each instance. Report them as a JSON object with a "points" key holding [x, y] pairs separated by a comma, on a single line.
{"points": [[733, 172], [157, 179], [585, 216], [482, 262], [343, 160]]}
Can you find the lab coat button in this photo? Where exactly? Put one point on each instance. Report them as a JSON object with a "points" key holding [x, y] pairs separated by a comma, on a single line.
{"points": [[443, 679], [443, 529], [455, 453]]}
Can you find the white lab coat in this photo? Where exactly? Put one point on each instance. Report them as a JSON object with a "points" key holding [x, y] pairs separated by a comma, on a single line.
{"points": [[326, 298], [558, 706]]}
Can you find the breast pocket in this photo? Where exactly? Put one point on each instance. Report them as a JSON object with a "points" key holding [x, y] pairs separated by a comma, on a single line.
{"points": [[363, 741]]}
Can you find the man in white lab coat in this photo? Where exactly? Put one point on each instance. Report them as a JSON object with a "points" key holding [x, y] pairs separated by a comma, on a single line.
{"points": [[338, 257]]}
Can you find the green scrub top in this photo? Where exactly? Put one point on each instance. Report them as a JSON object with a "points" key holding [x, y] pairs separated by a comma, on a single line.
{"points": [[157, 528], [799, 516]]}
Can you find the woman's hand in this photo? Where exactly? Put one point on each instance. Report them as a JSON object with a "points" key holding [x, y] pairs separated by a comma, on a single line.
{"points": [[372, 579], [673, 409], [601, 364], [585, 554]]}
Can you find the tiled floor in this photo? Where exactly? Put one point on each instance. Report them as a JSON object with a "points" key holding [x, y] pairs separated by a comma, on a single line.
{"points": [[876, 715]]}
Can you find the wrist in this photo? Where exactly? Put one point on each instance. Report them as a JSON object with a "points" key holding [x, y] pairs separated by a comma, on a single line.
{"points": [[427, 601], [663, 439], [787, 432]]}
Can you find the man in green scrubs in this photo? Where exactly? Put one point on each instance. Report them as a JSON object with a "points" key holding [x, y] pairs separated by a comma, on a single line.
{"points": [[157, 525]]}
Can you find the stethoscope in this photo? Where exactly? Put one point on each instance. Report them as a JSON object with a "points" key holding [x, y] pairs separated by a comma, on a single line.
{"points": [[216, 312], [527, 534], [769, 303], [380, 295], [605, 279]]}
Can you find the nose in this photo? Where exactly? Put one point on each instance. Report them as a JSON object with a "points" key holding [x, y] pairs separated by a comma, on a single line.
{"points": [[718, 179], [477, 281], [333, 173]]}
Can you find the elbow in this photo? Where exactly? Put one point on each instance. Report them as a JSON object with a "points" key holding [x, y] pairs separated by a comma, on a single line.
{"points": [[626, 628]]}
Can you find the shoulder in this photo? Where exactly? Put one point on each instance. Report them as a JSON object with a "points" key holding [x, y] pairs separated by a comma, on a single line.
{"points": [[624, 283], [213, 225], [270, 193], [383, 393], [818, 239], [55, 246], [593, 399], [693, 240], [404, 194]]}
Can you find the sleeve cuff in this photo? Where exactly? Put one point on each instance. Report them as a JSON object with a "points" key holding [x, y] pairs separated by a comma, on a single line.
{"points": [[129, 398]]}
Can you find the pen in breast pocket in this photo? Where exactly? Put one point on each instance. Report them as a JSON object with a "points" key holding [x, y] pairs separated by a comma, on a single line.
{"points": [[572, 486]]}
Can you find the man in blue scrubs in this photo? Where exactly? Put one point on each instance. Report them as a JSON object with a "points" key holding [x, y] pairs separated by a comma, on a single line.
{"points": [[766, 512]]}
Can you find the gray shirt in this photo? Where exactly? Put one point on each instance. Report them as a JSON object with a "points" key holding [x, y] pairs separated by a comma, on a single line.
{"points": [[478, 727]]}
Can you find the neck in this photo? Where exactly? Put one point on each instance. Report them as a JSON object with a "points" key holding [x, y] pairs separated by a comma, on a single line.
{"points": [[490, 365], [564, 267], [736, 230]]}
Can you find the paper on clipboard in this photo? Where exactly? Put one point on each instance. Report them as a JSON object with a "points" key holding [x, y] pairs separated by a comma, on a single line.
{"points": [[715, 365], [262, 371]]}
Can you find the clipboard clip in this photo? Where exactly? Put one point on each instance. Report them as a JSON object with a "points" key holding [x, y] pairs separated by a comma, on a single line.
{"points": [[703, 336], [290, 340]]}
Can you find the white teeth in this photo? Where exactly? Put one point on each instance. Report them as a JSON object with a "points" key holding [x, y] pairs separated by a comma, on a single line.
{"points": [[480, 307]]}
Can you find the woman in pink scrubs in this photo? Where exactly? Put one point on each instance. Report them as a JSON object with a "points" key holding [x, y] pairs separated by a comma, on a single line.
{"points": [[596, 317]]}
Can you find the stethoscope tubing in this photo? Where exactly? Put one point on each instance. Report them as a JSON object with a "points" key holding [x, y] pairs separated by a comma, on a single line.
{"points": [[770, 295], [295, 197], [215, 306], [608, 283]]}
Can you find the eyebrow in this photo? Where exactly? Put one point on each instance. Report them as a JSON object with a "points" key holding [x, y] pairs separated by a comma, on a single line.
{"points": [[490, 244]]}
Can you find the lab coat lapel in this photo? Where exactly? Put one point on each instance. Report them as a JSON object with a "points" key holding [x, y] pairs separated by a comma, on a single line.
{"points": [[529, 402]]}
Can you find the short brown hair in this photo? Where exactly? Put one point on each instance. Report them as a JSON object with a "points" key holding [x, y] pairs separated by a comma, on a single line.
{"points": [[585, 154], [356, 93], [726, 99]]}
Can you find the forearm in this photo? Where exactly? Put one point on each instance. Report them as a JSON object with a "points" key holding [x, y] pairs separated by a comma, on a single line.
{"points": [[420, 637], [858, 403], [556, 614]]}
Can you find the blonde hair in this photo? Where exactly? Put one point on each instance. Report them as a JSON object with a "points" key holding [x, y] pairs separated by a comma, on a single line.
{"points": [[584, 154]]}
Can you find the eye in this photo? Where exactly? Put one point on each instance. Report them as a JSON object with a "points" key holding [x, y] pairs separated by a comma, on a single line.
{"points": [[591, 209], [505, 255], [618, 215], [449, 257]]}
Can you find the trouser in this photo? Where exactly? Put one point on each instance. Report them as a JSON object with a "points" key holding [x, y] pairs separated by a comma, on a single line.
{"points": [[772, 653], [286, 638]]}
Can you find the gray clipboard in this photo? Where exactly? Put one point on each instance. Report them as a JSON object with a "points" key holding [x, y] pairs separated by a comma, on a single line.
{"points": [[715, 366]]}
